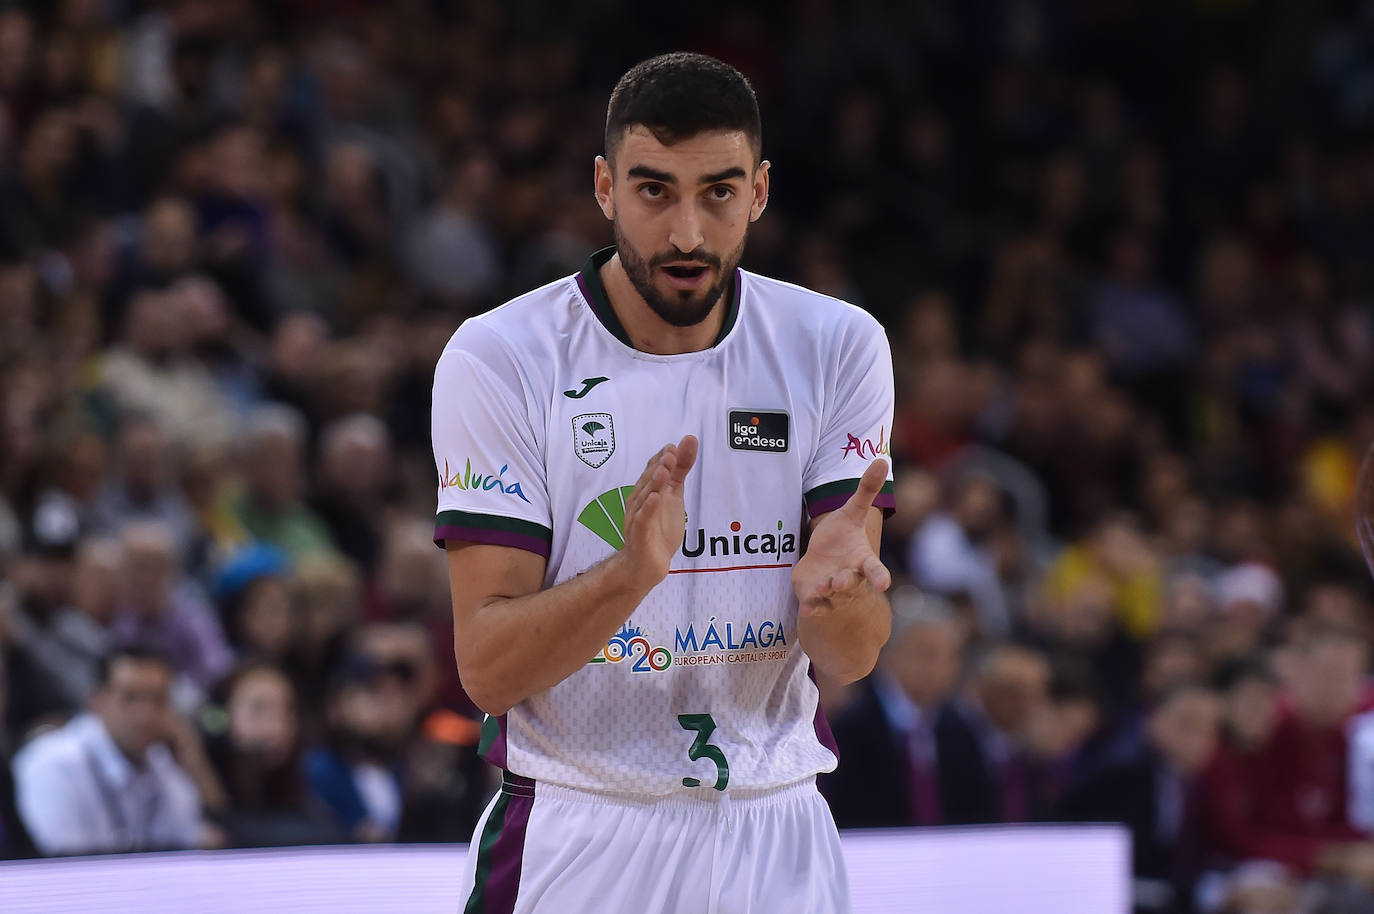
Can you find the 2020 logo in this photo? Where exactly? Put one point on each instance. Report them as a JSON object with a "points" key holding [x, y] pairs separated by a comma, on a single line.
{"points": [[630, 644]]}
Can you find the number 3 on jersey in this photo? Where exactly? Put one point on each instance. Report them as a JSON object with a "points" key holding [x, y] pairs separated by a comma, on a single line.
{"points": [[702, 748]]}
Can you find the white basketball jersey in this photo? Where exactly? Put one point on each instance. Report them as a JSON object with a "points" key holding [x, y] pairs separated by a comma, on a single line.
{"points": [[544, 416]]}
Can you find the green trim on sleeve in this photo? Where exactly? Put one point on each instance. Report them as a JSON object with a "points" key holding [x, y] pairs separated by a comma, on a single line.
{"points": [[493, 522], [841, 487]]}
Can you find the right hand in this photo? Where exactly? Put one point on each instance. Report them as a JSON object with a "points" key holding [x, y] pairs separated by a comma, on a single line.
{"points": [[655, 514]]}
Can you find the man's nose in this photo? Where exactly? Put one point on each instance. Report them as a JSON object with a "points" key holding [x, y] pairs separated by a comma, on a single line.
{"points": [[686, 233]]}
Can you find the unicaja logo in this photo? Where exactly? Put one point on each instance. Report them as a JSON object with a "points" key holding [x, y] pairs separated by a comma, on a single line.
{"points": [[773, 543], [605, 516]]}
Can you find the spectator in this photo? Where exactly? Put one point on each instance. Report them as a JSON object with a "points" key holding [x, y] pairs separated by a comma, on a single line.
{"points": [[1296, 811], [909, 756], [411, 588], [352, 480], [450, 249], [67, 647], [1154, 794], [144, 486], [163, 609], [14, 837], [446, 780], [949, 553], [255, 603], [271, 507], [257, 754], [1116, 552], [118, 778], [152, 372], [38, 583], [356, 775], [1230, 786], [1009, 690], [326, 591], [1249, 597]]}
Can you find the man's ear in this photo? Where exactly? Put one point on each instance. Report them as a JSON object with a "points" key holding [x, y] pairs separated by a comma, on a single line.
{"points": [[760, 191], [604, 187]]}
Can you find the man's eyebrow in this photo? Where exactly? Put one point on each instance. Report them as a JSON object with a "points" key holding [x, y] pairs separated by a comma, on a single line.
{"points": [[653, 174], [725, 175]]}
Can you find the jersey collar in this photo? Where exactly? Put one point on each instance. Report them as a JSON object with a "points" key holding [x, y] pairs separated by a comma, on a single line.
{"points": [[589, 281]]}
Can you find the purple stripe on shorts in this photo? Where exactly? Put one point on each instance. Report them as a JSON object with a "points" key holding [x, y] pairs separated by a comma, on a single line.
{"points": [[827, 739], [507, 856], [494, 537]]}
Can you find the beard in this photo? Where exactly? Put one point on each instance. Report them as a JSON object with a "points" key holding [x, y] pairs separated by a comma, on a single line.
{"points": [[680, 308]]}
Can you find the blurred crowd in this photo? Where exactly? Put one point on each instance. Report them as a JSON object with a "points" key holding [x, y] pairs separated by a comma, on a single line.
{"points": [[1121, 249]]}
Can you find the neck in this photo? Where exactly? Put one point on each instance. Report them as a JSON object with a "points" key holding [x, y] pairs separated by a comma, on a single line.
{"points": [[649, 332], [136, 759]]}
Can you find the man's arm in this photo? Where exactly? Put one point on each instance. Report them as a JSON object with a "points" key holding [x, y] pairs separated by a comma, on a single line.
{"points": [[843, 618], [511, 639]]}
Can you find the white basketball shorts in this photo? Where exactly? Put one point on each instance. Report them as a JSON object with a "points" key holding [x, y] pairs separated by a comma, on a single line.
{"points": [[544, 849]]}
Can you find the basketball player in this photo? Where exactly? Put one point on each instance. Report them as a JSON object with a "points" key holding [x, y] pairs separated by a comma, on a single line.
{"points": [[661, 489]]}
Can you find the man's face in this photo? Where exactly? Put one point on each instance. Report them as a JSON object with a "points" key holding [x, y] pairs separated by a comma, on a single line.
{"points": [[1328, 681], [274, 470], [1251, 710], [1184, 729], [133, 704], [681, 214], [1015, 689], [143, 459], [926, 662], [149, 568]]}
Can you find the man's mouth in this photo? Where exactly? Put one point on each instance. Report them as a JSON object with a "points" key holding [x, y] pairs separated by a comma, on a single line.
{"points": [[686, 276], [685, 270]]}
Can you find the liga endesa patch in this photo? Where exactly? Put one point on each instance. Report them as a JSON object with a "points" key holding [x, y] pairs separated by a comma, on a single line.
{"points": [[758, 430]]}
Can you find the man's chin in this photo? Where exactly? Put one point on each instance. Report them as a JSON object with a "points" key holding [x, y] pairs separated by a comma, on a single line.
{"points": [[681, 312]]}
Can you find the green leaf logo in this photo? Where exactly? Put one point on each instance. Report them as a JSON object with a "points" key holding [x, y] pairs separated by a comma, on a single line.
{"points": [[591, 428], [605, 516]]}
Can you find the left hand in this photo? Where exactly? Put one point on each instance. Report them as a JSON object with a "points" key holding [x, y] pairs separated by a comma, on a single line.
{"points": [[840, 564]]}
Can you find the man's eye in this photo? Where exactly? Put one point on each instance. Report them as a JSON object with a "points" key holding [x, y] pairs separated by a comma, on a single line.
{"points": [[721, 192], [652, 191]]}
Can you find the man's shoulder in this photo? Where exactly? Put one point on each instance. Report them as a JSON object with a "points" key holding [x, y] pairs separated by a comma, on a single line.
{"points": [[56, 750], [522, 325], [799, 306]]}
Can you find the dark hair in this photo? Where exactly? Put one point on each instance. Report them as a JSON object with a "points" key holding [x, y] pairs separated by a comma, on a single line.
{"points": [[224, 689], [1253, 668], [1176, 689], [137, 653], [1071, 679], [678, 95]]}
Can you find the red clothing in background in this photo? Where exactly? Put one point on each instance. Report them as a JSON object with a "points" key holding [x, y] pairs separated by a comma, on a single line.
{"points": [[1284, 802]]}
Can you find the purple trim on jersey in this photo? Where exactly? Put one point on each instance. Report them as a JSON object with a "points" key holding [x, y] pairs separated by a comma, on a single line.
{"points": [[493, 537], [587, 297], [822, 725], [508, 853], [885, 500]]}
